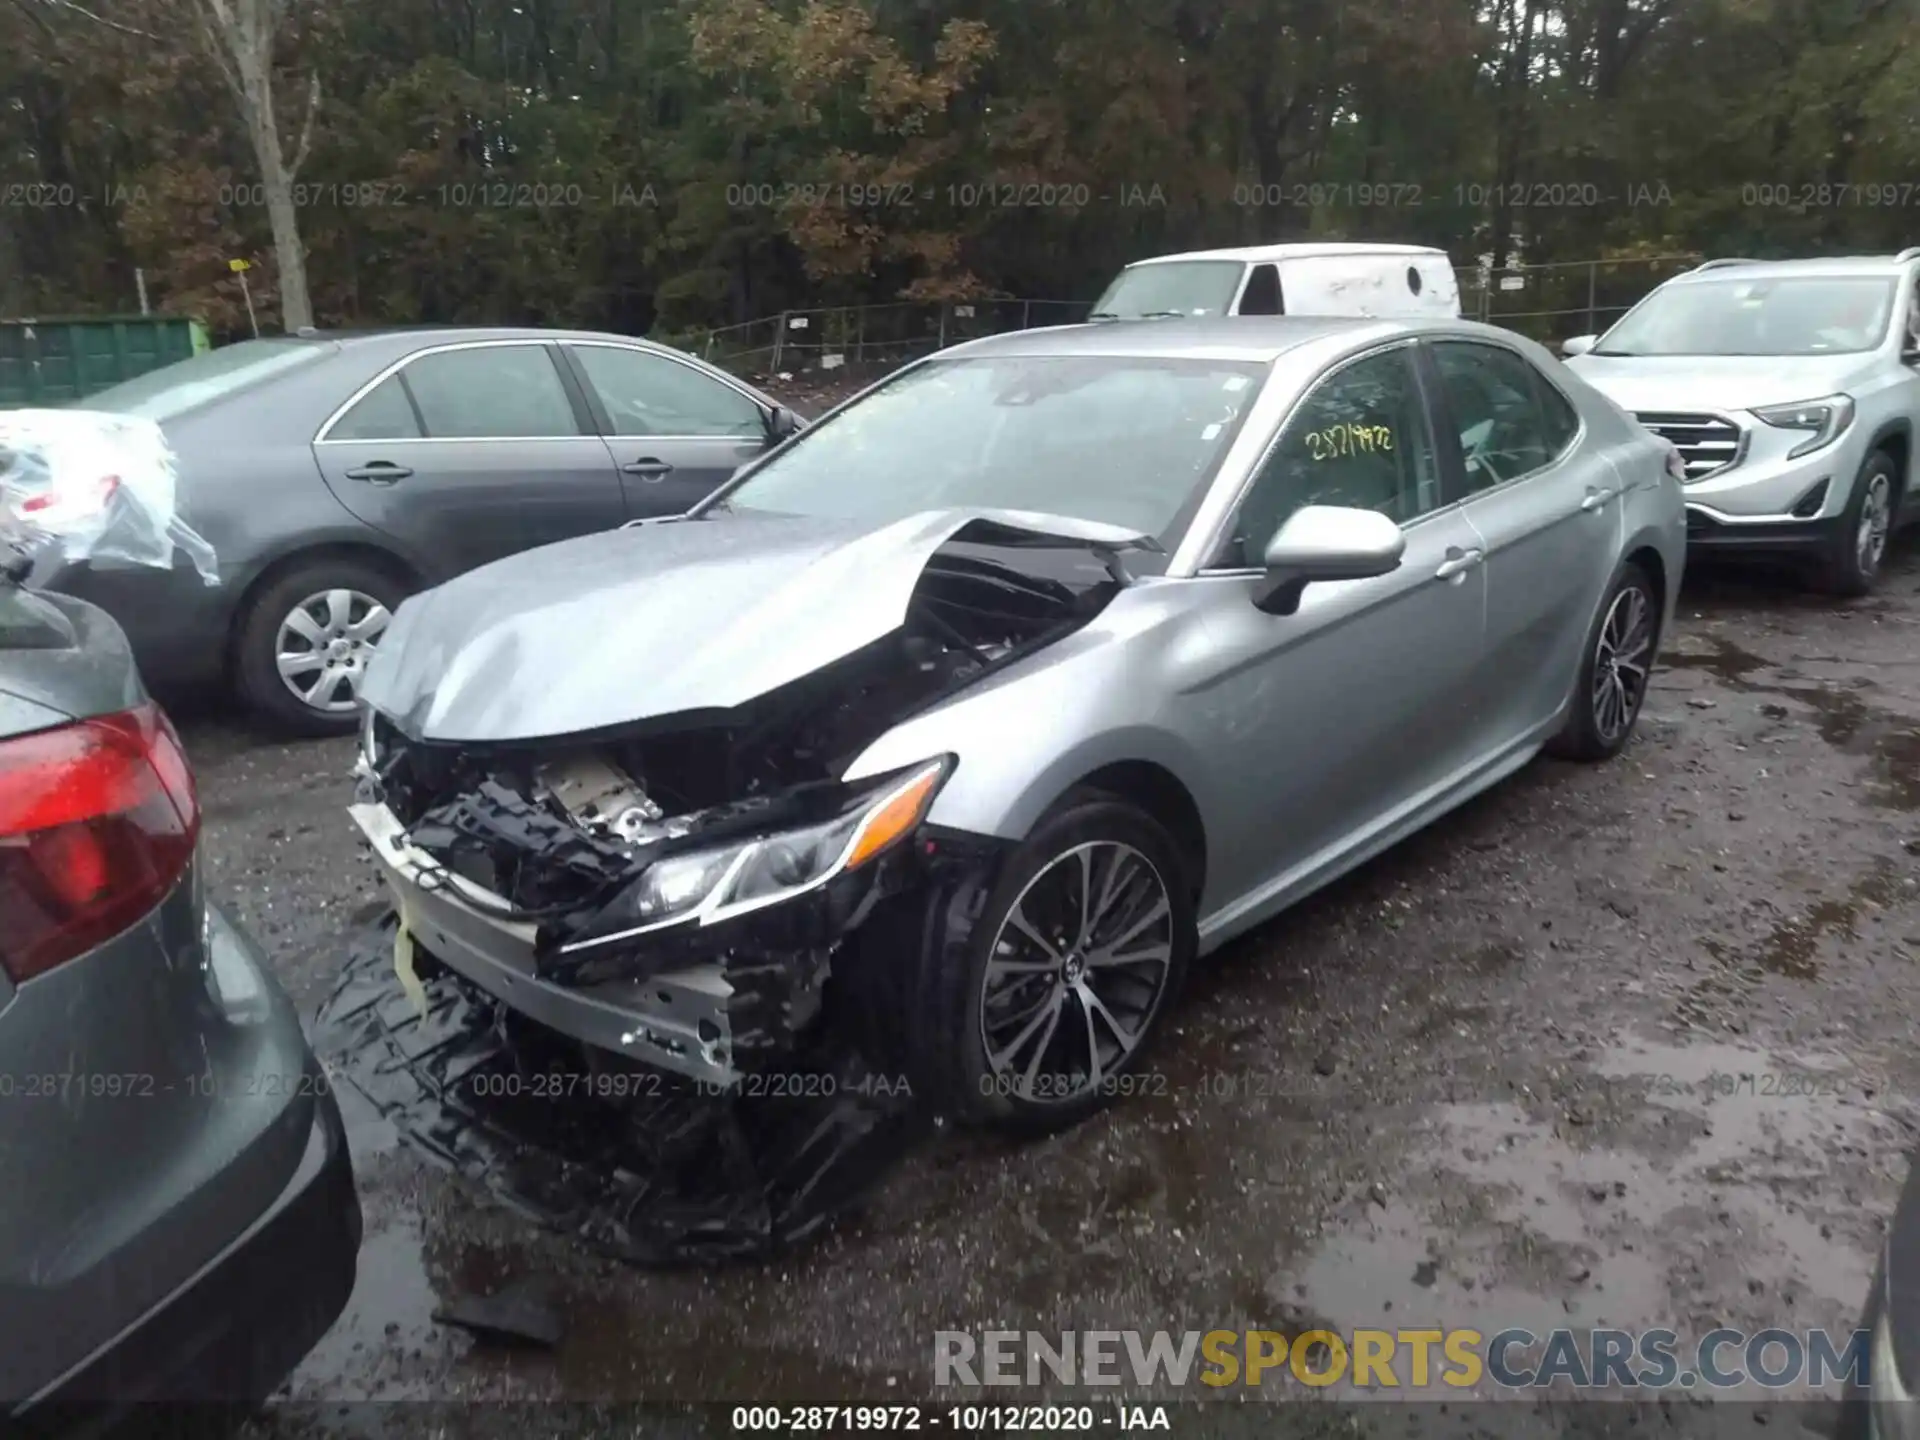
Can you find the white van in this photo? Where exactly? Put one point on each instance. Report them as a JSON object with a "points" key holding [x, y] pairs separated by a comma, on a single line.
{"points": [[1298, 279]]}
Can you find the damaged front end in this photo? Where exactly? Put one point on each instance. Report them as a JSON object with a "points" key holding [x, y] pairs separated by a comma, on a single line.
{"points": [[677, 890]]}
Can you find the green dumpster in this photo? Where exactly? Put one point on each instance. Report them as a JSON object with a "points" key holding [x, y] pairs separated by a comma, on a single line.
{"points": [[55, 360]]}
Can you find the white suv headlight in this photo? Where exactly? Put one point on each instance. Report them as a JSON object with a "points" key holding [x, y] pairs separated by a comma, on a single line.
{"points": [[1824, 420]]}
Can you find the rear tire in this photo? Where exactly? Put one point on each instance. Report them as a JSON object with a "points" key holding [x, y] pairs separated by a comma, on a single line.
{"points": [[1614, 670], [271, 633], [1859, 547], [1078, 950]]}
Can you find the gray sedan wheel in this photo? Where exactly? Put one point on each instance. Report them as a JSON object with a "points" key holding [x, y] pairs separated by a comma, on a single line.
{"points": [[1076, 973], [1614, 671], [1049, 1007], [324, 644], [306, 640]]}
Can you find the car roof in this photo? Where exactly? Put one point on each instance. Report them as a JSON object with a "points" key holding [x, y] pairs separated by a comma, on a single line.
{"points": [[1252, 338], [1887, 265], [1294, 250], [439, 334]]}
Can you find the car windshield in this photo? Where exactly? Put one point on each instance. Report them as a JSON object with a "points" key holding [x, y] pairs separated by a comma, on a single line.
{"points": [[1128, 441], [175, 389], [1171, 287], [1798, 315]]}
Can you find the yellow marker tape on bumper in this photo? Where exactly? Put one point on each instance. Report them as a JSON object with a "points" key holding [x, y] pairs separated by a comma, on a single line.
{"points": [[403, 962]]}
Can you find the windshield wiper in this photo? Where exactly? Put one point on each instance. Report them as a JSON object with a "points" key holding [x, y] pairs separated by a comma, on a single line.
{"points": [[1163, 314], [1629, 354], [1102, 315]]}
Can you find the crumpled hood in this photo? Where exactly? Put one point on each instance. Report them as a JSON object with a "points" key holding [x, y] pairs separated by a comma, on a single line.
{"points": [[662, 619], [1719, 382]]}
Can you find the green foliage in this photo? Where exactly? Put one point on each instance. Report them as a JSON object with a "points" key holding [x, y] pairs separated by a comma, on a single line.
{"points": [[686, 164]]}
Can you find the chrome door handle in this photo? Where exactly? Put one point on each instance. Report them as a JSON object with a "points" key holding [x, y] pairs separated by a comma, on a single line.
{"points": [[649, 468], [1596, 499], [1458, 563], [380, 472]]}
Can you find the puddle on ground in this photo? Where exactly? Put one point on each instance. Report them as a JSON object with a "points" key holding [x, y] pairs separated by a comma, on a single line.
{"points": [[1696, 1165], [629, 1355], [374, 1349], [1853, 727], [1791, 948], [370, 1135], [1723, 659], [1842, 717]]}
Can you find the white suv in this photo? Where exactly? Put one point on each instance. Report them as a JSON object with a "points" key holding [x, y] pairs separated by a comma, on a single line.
{"points": [[1792, 390]]}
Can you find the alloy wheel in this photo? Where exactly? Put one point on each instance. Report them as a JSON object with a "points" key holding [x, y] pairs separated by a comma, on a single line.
{"points": [[1621, 662], [1076, 974], [324, 644], [1876, 523]]}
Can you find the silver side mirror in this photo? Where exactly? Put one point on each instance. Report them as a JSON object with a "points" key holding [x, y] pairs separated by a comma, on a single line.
{"points": [[1326, 542], [1579, 345], [781, 423]]}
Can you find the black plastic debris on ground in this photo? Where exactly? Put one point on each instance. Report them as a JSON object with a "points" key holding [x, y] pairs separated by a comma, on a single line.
{"points": [[645, 1166], [522, 1314]]}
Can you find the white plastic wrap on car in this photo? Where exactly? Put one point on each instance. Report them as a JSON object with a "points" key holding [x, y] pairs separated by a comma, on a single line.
{"points": [[91, 485]]}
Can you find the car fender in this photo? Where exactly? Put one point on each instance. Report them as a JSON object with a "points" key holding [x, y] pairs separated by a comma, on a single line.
{"points": [[1900, 428], [1025, 738]]}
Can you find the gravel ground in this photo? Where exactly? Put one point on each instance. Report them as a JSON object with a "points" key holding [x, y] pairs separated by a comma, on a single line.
{"points": [[1463, 1086]]}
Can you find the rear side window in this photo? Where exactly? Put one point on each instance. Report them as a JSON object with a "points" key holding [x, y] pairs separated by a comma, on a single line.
{"points": [[384, 413], [1262, 295], [1494, 396], [491, 392], [1562, 421]]}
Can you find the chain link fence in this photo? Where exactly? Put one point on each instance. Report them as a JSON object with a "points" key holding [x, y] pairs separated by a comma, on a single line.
{"points": [[1548, 302], [1554, 302], [863, 338]]}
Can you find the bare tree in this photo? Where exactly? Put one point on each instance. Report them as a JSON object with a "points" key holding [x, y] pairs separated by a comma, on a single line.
{"points": [[239, 36]]}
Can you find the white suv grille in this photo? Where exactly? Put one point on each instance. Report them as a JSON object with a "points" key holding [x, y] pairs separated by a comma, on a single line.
{"points": [[1708, 443]]}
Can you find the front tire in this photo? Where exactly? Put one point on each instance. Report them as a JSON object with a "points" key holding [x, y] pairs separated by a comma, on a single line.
{"points": [[1615, 670], [304, 643], [1044, 1012], [1859, 546]]}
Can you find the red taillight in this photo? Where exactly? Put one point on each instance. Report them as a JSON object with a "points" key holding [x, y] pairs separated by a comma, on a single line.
{"points": [[97, 823]]}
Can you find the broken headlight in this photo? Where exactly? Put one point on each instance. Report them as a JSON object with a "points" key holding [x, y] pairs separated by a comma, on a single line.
{"points": [[720, 882]]}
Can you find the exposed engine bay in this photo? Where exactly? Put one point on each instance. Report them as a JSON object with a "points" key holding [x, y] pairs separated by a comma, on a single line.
{"points": [[692, 919], [594, 841]]}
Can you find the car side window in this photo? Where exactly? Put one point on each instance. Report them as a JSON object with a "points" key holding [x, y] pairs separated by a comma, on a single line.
{"points": [[1562, 421], [491, 392], [647, 394], [383, 413], [1262, 295], [1497, 408], [1359, 439]]}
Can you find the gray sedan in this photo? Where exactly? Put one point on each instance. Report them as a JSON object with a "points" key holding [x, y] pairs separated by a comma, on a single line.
{"points": [[1046, 665], [335, 474], [179, 1221]]}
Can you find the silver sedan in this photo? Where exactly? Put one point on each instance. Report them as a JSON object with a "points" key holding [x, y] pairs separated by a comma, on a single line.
{"points": [[999, 695]]}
